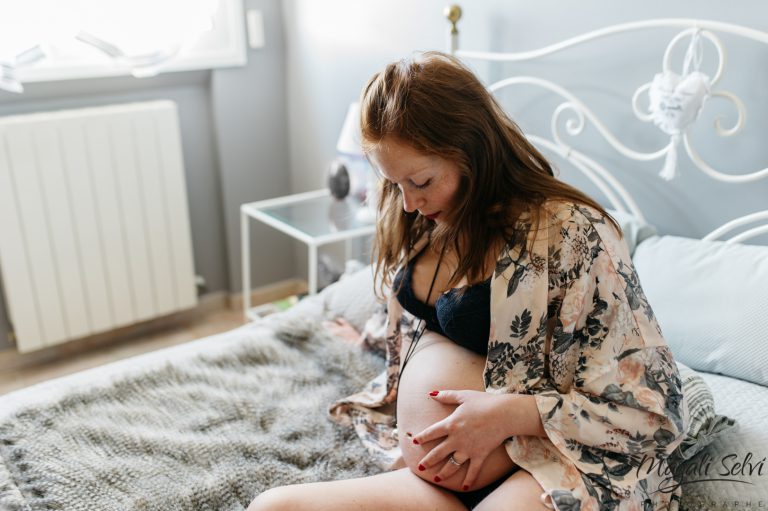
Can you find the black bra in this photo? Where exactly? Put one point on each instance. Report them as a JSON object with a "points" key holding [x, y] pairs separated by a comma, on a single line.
{"points": [[465, 320]]}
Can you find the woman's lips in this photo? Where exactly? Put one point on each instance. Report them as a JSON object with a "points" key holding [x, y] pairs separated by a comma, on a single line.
{"points": [[433, 215]]}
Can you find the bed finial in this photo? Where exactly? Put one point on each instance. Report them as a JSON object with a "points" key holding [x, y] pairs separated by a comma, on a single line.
{"points": [[453, 13]]}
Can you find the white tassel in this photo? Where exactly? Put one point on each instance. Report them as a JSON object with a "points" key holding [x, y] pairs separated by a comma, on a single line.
{"points": [[670, 163]]}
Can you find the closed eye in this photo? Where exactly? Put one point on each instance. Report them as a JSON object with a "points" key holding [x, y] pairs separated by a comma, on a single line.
{"points": [[423, 185]]}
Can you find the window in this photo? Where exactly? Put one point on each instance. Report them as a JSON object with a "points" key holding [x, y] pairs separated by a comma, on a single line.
{"points": [[43, 40]]}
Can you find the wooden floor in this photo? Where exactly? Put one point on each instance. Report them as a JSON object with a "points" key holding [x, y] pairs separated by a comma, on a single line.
{"points": [[18, 371]]}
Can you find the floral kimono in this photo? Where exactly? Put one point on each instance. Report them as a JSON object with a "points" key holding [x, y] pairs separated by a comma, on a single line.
{"points": [[571, 326]]}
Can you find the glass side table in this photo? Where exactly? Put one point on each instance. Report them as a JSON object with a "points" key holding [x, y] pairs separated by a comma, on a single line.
{"points": [[315, 218]]}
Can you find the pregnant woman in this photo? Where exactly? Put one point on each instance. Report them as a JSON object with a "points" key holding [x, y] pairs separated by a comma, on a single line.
{"points": [[525, 368]]}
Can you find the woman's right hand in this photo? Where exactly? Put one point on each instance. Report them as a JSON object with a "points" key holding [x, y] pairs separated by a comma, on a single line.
{"points": [[342, 328]]}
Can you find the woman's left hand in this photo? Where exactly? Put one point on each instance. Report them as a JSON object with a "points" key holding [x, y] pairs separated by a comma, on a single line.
{"points": [[480, 423]]}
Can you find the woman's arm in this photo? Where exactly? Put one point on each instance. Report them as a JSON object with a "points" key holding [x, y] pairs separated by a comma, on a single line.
{"points": [[523, 416], [514, 414]]}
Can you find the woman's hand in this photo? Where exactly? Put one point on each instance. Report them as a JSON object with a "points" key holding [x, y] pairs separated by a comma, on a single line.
{"points": [[480, 423], [342, 328]]}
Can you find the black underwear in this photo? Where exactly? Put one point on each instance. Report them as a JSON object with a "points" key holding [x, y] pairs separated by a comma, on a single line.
{"points": [[472, 498]]}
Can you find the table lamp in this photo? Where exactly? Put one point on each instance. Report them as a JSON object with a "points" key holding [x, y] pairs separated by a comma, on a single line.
{"points": [[350, 152]]}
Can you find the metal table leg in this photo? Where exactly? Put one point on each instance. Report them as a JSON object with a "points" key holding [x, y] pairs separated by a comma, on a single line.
{"points": [[312, 269], [246, 263]]}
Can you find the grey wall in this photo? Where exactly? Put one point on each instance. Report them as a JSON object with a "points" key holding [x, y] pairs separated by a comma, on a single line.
{"points": [[251, 129], [234, 144], [335, 45]]}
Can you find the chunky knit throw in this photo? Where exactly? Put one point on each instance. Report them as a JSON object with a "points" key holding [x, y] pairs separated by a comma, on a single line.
{"points": [[202, 432]]}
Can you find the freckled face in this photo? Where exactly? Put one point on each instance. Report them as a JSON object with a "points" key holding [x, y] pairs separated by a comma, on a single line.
{"points": [[428, 184]]}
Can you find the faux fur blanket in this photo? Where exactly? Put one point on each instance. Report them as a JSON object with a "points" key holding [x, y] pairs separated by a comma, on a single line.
{"points": [[204, 432]]}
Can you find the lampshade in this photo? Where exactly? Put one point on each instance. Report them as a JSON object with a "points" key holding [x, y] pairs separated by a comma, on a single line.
{"points": [[350, 136]]}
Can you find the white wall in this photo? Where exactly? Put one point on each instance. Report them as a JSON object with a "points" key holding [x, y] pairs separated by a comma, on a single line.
{"points": [[333, 47]]}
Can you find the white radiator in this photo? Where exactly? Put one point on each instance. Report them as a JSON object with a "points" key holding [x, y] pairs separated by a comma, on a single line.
{"points": [[94, 223]]}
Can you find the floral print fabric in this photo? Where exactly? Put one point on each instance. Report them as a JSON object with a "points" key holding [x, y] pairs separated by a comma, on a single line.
{"points": [[570, 325]]}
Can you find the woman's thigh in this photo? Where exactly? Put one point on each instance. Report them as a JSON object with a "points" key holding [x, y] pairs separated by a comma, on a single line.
{"points": [[520, 492], [396, 490]]}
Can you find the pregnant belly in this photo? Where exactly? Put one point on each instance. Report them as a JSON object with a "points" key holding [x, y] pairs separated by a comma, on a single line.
{"points": [[440, 364]]}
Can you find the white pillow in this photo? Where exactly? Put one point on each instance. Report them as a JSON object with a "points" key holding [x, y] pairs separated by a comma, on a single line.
{"points": [[711, 300]]}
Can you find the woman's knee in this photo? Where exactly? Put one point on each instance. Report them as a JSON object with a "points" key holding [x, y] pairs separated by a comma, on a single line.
{"points": [[274, 499], [520, 492]]}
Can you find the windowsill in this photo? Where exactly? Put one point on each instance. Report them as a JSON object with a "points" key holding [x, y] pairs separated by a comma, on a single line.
{"points": [[37, 91]]}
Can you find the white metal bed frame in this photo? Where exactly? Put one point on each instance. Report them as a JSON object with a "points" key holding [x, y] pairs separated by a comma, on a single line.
{"points": [[616, 194]]}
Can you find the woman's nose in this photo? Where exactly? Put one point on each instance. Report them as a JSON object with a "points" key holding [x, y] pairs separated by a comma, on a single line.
{"points": [[411, 201]]}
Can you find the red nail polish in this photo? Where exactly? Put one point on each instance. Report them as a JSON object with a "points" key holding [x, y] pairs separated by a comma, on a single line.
{"points": [[437, 479], [465, 487], [415, 441], [434, 393], [422, 468]]}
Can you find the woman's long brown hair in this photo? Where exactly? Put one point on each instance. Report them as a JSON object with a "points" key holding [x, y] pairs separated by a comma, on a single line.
{"points": [[438, 106]]}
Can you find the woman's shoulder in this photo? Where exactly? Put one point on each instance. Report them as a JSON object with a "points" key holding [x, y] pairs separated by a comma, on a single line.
{"points": [[578, 223], [564, 211], [564, 214], [559, 218]]}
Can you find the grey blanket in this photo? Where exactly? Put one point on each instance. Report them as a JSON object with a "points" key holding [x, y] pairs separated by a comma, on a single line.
{"points": [[205, 432]]}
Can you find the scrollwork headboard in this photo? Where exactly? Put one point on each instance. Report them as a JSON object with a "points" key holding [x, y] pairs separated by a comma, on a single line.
{"points": [[670, 102]]}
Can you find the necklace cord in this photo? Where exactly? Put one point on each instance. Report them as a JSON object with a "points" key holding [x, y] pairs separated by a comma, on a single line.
{"points": [[419, 328]]}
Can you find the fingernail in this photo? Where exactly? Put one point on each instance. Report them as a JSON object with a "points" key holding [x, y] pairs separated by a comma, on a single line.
{"points": [[415, 441], [437, 479], [434, 393], [465, 487], [422, 468]]}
